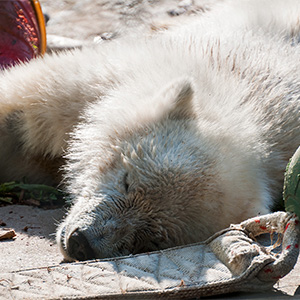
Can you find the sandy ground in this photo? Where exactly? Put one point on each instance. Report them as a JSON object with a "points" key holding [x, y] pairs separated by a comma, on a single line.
{"points": [[34, 244], [73, 23], [90, 19]]}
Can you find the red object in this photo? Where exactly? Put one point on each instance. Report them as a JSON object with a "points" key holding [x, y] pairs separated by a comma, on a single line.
{"points": [[268, 271], [21, 37], [286, 227], [263, 227]]}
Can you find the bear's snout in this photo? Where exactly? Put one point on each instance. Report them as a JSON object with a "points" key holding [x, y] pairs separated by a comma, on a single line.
{"points": [[78, 246]]}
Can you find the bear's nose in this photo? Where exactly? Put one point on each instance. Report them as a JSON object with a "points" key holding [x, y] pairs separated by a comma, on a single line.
{"points": [[78, 246]]}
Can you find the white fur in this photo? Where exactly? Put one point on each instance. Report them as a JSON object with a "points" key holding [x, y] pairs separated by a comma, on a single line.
{"points": [[200, 119]]}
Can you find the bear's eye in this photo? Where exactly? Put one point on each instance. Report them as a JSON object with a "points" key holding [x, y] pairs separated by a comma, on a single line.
{"points": [[126, 184]]}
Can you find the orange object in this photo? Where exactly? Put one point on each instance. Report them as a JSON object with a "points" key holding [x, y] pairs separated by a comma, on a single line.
{"points": [[22, 31], [41, 24]]}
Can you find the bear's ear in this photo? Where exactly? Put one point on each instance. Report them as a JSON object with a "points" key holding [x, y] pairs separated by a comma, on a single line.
{"points": [[178, 96]]}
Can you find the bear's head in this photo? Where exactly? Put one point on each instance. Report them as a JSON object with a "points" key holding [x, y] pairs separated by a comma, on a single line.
{"points": [[143, 186]]}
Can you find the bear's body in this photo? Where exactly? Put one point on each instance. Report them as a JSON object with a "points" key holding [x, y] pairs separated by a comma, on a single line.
{"points": [[171, 137]]}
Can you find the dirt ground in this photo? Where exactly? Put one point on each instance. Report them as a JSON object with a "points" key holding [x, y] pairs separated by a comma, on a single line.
{"points": [[75, 23]]}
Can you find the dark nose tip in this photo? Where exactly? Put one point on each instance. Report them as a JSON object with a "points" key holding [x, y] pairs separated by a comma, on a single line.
{"points": [[78, 246]]}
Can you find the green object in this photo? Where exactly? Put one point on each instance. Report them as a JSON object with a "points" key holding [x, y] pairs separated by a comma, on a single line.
{"points": [[31, 194], [291, 188]]}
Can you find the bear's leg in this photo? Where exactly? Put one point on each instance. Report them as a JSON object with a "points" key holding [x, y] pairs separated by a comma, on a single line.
{"points": [[17, 161], [39, 107]]}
